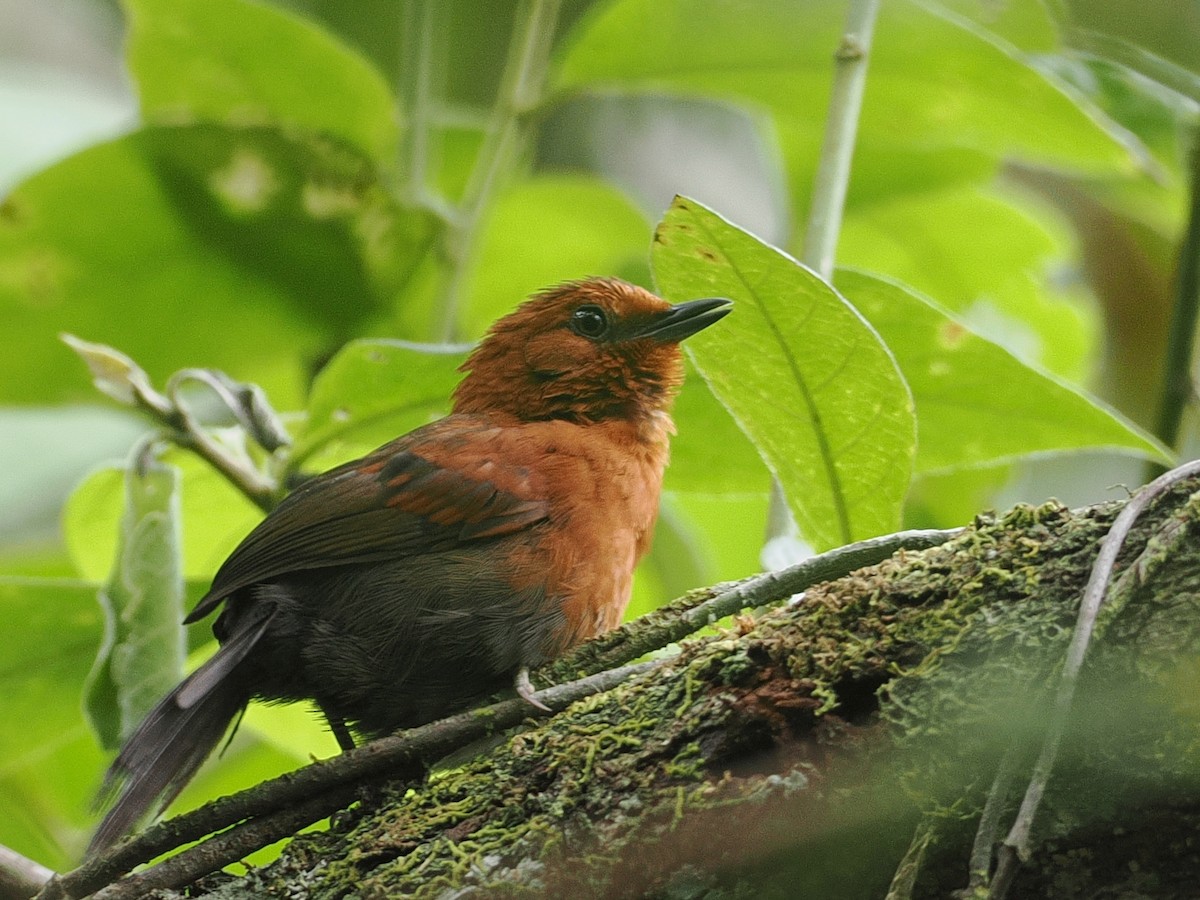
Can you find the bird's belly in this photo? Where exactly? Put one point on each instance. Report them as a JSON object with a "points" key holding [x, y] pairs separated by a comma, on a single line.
{"points": [[395, 645]]}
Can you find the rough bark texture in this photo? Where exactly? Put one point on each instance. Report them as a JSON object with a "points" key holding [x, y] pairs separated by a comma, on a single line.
{"points": [[797, 752]]}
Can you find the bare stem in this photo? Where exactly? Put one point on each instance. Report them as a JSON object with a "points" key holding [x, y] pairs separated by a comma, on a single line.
{"points": [[20, 877], [185, 430], [832, 179], [519, 92], [697, 610], [416, 72]]}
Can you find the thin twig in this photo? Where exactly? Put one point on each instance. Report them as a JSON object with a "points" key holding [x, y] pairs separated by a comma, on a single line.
{"points": [[20, 876], [118, 376], [688, 615], [987, 835], [319, 780], [519, 91], [416, 67], [228, 847], [187, 431], [1016, 845], [832, 181]]}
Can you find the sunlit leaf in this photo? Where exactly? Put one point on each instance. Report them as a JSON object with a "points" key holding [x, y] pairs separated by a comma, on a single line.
{"points": [[935, 81], [984, 256], [54, 628], [49, 763], [252, 64], [806, 378], [976, 403], [709, 453]]}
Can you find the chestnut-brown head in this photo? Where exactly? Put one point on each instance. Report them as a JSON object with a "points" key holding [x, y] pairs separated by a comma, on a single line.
{"points": [[584, 351]]}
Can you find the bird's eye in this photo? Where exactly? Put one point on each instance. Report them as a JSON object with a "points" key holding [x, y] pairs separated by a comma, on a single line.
{"points": [[589, 321]]}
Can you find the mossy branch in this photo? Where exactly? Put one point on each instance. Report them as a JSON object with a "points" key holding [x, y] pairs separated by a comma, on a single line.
{"points": [[877, 705]]}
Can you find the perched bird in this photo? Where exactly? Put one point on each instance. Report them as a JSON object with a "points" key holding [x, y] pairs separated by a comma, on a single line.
{"points": [[399, 587]]}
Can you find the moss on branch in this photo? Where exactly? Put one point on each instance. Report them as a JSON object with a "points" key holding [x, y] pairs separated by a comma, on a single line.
{"points": [[794, 752]]}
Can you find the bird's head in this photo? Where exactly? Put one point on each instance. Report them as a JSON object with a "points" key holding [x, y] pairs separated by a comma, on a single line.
{"points": [[584, 351]]}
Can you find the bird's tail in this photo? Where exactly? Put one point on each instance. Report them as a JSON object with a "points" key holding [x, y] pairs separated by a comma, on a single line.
{"points": [[162, 755]]}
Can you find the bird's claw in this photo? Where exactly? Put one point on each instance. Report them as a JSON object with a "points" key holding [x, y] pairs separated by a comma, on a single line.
{"points": [[526, 691]]}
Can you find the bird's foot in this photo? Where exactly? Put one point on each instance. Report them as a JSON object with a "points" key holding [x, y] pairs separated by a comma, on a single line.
{"points": [[526, 690]]}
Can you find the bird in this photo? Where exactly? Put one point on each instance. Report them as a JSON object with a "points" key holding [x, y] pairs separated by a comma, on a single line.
{"points": [[401, 587]]}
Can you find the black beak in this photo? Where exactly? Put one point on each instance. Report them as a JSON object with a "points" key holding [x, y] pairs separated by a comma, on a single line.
{"points": [[685, 319]]}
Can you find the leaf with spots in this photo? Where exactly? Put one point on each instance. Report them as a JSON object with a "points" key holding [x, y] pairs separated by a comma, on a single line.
{"points": [[251, 64], [806, 378], [255, 251], [977, 404]]}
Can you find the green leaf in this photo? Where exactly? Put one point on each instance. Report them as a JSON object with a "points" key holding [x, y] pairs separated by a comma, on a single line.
{"points": [[53, 629], [543, 231], [259, 250], [373, 391], [806, 378], [310, 215], [709, 453], [252, 64], [935, 81], [982, 255], [49, 762], [216, 517], [141, 657], [976, 403], [1027, 24]]}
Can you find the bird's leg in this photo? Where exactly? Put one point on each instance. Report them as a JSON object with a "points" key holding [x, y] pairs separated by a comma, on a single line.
{"points": [[526, 690], [338, 726]]}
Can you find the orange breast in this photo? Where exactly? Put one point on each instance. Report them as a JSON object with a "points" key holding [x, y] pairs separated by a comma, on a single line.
{"points": [[602, 484]]}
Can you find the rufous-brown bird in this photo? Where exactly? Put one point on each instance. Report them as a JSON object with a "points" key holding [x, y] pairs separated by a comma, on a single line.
{"points": [[399, 587]]}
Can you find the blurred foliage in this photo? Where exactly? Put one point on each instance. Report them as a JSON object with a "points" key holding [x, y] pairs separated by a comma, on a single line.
{"points": [[316, 191]]}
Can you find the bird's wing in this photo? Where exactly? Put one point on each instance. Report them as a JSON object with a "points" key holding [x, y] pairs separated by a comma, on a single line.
{"points": [[392, 503]]}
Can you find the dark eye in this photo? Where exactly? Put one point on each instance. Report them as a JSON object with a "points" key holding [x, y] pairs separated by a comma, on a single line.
{"points": [[589, 321]]}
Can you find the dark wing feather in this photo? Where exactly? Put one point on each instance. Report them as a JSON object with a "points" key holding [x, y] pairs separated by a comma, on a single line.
{"points": [[390, 504]]}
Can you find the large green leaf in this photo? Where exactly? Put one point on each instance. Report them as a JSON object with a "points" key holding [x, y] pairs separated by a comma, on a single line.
{"points": [[977, 404], [219, 235], [372, 391], [141, 657], [806, 378], [49, 763], [252, 64], [984, 255], [935, 81], [709, 453], [53, 630]]}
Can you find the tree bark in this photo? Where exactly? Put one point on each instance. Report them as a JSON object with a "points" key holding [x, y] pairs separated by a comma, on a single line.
{"points": [[816, 748]]}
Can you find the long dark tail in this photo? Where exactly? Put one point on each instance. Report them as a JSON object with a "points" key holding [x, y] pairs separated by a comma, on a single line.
{"points": [[165, 751]]}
